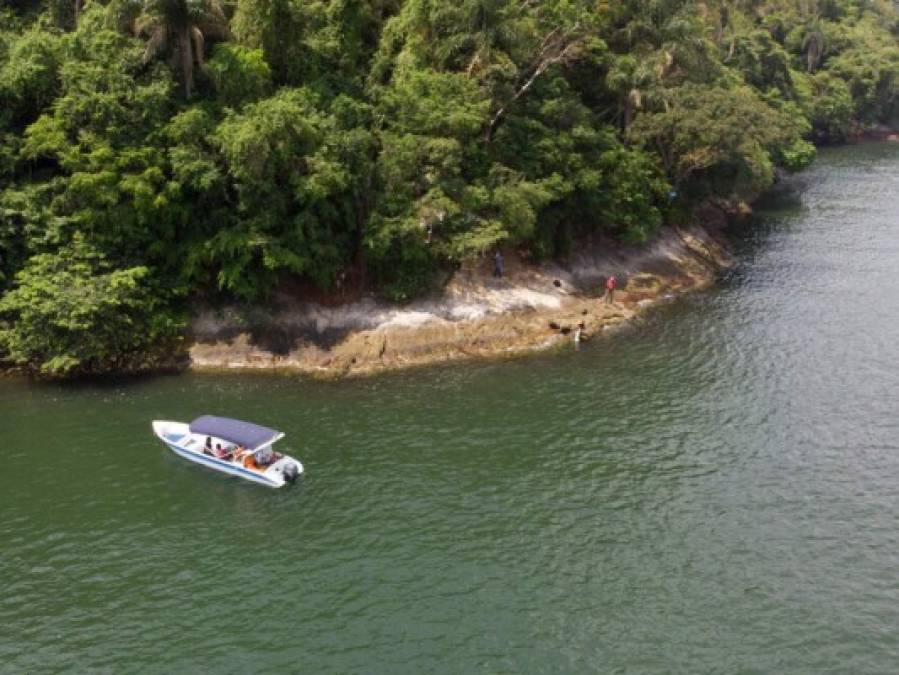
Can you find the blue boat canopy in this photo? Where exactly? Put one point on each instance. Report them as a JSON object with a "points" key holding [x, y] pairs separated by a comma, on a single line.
{"points": [[247, 434]]}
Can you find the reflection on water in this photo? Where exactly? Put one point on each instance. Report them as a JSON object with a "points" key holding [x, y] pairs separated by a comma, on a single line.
{"points": [[713, 489]]}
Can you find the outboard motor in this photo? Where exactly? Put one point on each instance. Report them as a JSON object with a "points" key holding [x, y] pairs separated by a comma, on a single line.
{"points": [[290, 472]]}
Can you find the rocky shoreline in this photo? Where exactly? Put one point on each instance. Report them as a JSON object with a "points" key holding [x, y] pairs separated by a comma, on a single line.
{"points": [[533, 307]]}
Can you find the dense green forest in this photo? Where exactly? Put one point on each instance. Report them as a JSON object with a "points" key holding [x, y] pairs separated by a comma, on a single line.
{"points": [[153, 152]]}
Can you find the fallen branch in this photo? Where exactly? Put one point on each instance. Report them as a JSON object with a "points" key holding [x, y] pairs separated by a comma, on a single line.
{"points": [[542, 66]]}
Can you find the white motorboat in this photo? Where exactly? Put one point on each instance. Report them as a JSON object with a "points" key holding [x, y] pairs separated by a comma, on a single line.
{"points": [[231, 446]]}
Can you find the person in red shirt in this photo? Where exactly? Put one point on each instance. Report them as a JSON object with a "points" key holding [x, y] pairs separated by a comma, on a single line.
{"points": [[611, 284]]}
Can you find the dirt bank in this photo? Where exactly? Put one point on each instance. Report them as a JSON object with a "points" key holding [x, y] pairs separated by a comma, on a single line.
{"points": [[531, 307]]}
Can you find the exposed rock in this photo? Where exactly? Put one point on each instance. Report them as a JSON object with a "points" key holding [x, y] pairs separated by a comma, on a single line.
{"points": [[475, 315]]}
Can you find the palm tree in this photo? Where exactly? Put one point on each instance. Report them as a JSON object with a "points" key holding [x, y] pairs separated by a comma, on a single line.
{"points": [[814, 42], [637, 82], [657, 43], [180, 28]]}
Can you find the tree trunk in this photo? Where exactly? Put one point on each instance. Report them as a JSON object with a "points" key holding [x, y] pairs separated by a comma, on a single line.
{"points": [[185, 48]]}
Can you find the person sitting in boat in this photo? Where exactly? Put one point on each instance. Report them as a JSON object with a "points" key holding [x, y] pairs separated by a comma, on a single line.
{"points": [[207, 449], [220, 452]]}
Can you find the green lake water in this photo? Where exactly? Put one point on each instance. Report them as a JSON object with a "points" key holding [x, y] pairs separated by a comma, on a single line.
{"points": [[714, 489]]}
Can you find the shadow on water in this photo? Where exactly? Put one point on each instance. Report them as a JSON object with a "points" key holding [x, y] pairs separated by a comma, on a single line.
{"points": [[100, 384], [772, 212]]}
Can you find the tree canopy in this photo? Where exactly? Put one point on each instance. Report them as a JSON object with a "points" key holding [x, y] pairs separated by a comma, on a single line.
{"points": [[157, 151]]}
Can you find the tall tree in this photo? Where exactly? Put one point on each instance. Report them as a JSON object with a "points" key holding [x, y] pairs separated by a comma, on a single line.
{"points": [[814, 44], [179, 29]]}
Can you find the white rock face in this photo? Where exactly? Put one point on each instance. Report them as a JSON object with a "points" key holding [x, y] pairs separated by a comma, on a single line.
{"points": [[473, 314]]}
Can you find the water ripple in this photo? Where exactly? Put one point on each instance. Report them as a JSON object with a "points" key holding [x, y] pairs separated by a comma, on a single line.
{"points": [[711, 490]]}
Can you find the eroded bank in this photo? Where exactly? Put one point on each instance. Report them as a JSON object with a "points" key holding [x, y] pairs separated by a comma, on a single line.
{"points": [[531, 307]]}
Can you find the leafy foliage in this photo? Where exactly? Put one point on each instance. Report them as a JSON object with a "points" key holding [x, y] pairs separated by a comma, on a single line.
{"points": [[157, 149], [239, 75], [72, 313], [723, 139], [285, 165], [29, 77]]}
